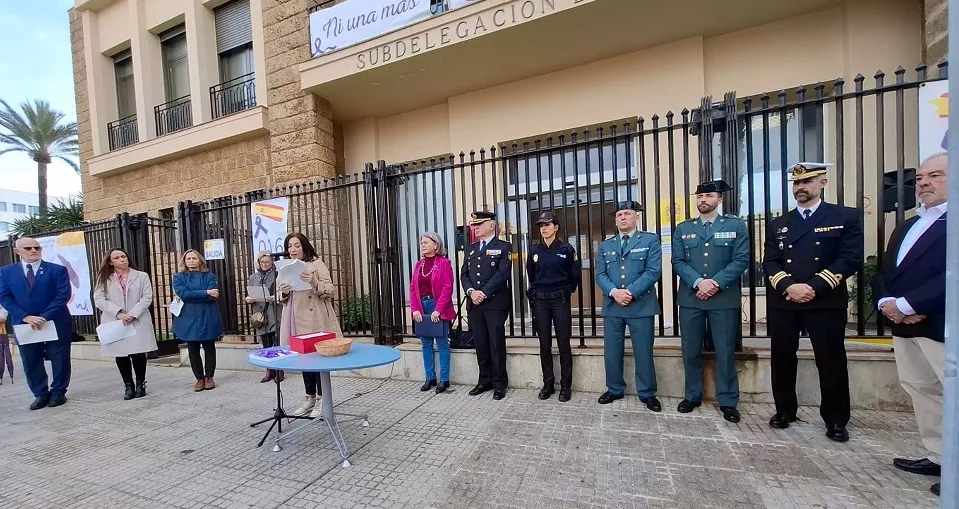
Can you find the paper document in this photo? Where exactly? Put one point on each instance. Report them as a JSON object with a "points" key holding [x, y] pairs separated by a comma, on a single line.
{"points": [[27, 336], [111, 332], [290, 273], [258, 293], [176, 306]]}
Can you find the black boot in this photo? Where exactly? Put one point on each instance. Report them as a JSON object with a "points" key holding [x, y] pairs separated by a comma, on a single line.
{"points": [[429, 384], [141, 388], [130, 392]]}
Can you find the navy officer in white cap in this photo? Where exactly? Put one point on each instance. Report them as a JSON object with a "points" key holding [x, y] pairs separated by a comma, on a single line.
{"points": [[809, 254]]}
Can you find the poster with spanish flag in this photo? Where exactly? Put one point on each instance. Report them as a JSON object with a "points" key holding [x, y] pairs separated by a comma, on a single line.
{"points": [[268, 220], [933, 118], [70, 250]]}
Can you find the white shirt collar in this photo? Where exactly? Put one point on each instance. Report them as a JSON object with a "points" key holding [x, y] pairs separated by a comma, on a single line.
{"points": [[812, 209], [936, 211], [36, 264]]}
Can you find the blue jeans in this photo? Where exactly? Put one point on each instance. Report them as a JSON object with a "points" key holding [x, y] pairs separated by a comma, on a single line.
{"points": [[443, 345]]}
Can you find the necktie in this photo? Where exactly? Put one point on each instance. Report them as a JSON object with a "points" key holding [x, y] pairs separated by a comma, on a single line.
{"points": [[482, 246], [625, 241], [31, 278], [806, 213], [708, 225]]}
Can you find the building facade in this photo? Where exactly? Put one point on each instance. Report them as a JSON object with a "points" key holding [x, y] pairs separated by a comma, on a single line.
{"points": [[200, 99], [16, 205]]}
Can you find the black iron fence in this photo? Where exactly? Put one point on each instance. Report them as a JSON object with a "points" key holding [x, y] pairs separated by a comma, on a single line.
{"points": [[140, 236], [233, 96], [366, 226], [123, 133], [173, 116]]}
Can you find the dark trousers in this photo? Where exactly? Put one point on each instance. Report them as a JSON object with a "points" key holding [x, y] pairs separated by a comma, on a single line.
{"points": [[724, 324], [33, 356], [135, 362], [311, 382], [827, 332], [549, 314], [209, 352], [269, 340], [6, 356], [489, 335]]}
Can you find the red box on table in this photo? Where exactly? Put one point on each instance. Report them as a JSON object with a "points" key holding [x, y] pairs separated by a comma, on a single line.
{"points": [[303, 343]]}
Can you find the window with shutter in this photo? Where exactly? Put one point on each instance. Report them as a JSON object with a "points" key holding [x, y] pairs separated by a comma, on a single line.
{"points": [[233, 25]]}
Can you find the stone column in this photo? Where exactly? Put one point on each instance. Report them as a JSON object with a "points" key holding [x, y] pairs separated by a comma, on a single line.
{"points": [[92, 187], [302, 143], [935, 31]]}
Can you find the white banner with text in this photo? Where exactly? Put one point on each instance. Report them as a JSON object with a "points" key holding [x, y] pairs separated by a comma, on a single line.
{"points": [[70, 250], [268, 219], [349, 23]]}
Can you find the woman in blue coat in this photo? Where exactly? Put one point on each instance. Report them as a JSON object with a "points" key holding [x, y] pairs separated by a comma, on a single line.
{"points": [[199, 323]]}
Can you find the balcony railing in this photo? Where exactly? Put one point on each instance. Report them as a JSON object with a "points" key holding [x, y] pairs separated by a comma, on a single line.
{"points": [[233, 96], [173, 116], [123, 133]]}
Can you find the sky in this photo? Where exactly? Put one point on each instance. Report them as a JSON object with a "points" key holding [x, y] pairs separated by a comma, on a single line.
{"points": [[36, 64]]}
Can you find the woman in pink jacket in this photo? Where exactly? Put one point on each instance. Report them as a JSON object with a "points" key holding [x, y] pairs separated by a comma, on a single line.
{"points": [[431, 299]]}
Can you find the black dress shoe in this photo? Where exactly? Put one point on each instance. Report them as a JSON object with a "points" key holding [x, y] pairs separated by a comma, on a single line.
{"points": [[934, 489], [922, 467], [129, 392], [730, 413], [546, 392], [479, 389], [837, 433], [686, 406], [429, 384], [565, 393], [781, 421], [609, 397], [653, 404], [40, 403], [141, 389], [499, 394], [442, 386], [57, 400]]}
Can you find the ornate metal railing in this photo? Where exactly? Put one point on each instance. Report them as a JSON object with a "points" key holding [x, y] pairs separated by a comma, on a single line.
{"points": [[123, 133], [233, 96], [173, 116]]}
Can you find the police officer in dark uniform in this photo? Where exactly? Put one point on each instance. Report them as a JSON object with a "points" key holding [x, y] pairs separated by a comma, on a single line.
{"points": [[485, 278], [809, 253], [554, 274], [710, 253]]}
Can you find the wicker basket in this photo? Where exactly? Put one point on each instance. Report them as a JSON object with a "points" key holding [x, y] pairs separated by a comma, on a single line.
{"points": [[334, 347]]}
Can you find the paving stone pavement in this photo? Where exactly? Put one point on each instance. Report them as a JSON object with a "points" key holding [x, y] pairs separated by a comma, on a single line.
{"points": [[180, 449]]}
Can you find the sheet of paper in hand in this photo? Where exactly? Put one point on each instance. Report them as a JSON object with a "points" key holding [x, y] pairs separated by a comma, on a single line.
{"points": [[27, 335], [289, 274]]}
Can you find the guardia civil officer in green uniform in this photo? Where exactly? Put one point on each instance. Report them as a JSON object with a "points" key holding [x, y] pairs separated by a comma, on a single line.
{"points": [[485, 278], [628, 266], [710, 253], [554, 273], [809, 253]]}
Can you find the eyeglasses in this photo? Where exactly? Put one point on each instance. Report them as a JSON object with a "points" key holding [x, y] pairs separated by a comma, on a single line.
{"points": [[32, 248]]}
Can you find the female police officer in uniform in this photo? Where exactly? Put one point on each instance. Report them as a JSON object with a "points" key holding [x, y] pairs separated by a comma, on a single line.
{"points": [[553, 270]]}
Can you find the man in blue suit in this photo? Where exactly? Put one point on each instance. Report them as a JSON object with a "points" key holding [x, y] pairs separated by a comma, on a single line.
{"points": [[629, 265], [35, 292], [911, 293]]}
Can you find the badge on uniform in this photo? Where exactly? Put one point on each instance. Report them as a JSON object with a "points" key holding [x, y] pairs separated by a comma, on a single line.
{"points": [[561, 255], [535, 258], [639, 250], [725, 235], [823, 229], [780, 235], [494, 252]]}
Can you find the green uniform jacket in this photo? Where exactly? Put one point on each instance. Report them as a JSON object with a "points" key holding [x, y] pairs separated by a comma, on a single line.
{"points": [[636, 268], [722, 256]]}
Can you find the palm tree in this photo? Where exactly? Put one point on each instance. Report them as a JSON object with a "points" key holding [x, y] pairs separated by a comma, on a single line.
{"points": [[61, 216], [40, 132]]}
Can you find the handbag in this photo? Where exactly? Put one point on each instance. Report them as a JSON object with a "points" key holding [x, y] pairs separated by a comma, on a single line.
{"points": [[459, 338], [258, 319]]}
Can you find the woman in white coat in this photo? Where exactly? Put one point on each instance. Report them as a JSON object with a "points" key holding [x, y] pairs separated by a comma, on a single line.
{"points": [[125, 294]]}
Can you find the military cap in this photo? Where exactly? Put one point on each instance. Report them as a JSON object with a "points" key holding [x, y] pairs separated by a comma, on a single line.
{"points": [[715, 186], [547, 218], [802, 171], [482, 216], [627, 205]]}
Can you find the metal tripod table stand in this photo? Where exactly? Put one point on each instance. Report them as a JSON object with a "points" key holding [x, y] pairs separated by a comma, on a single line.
{"points": [[360, 356]]}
